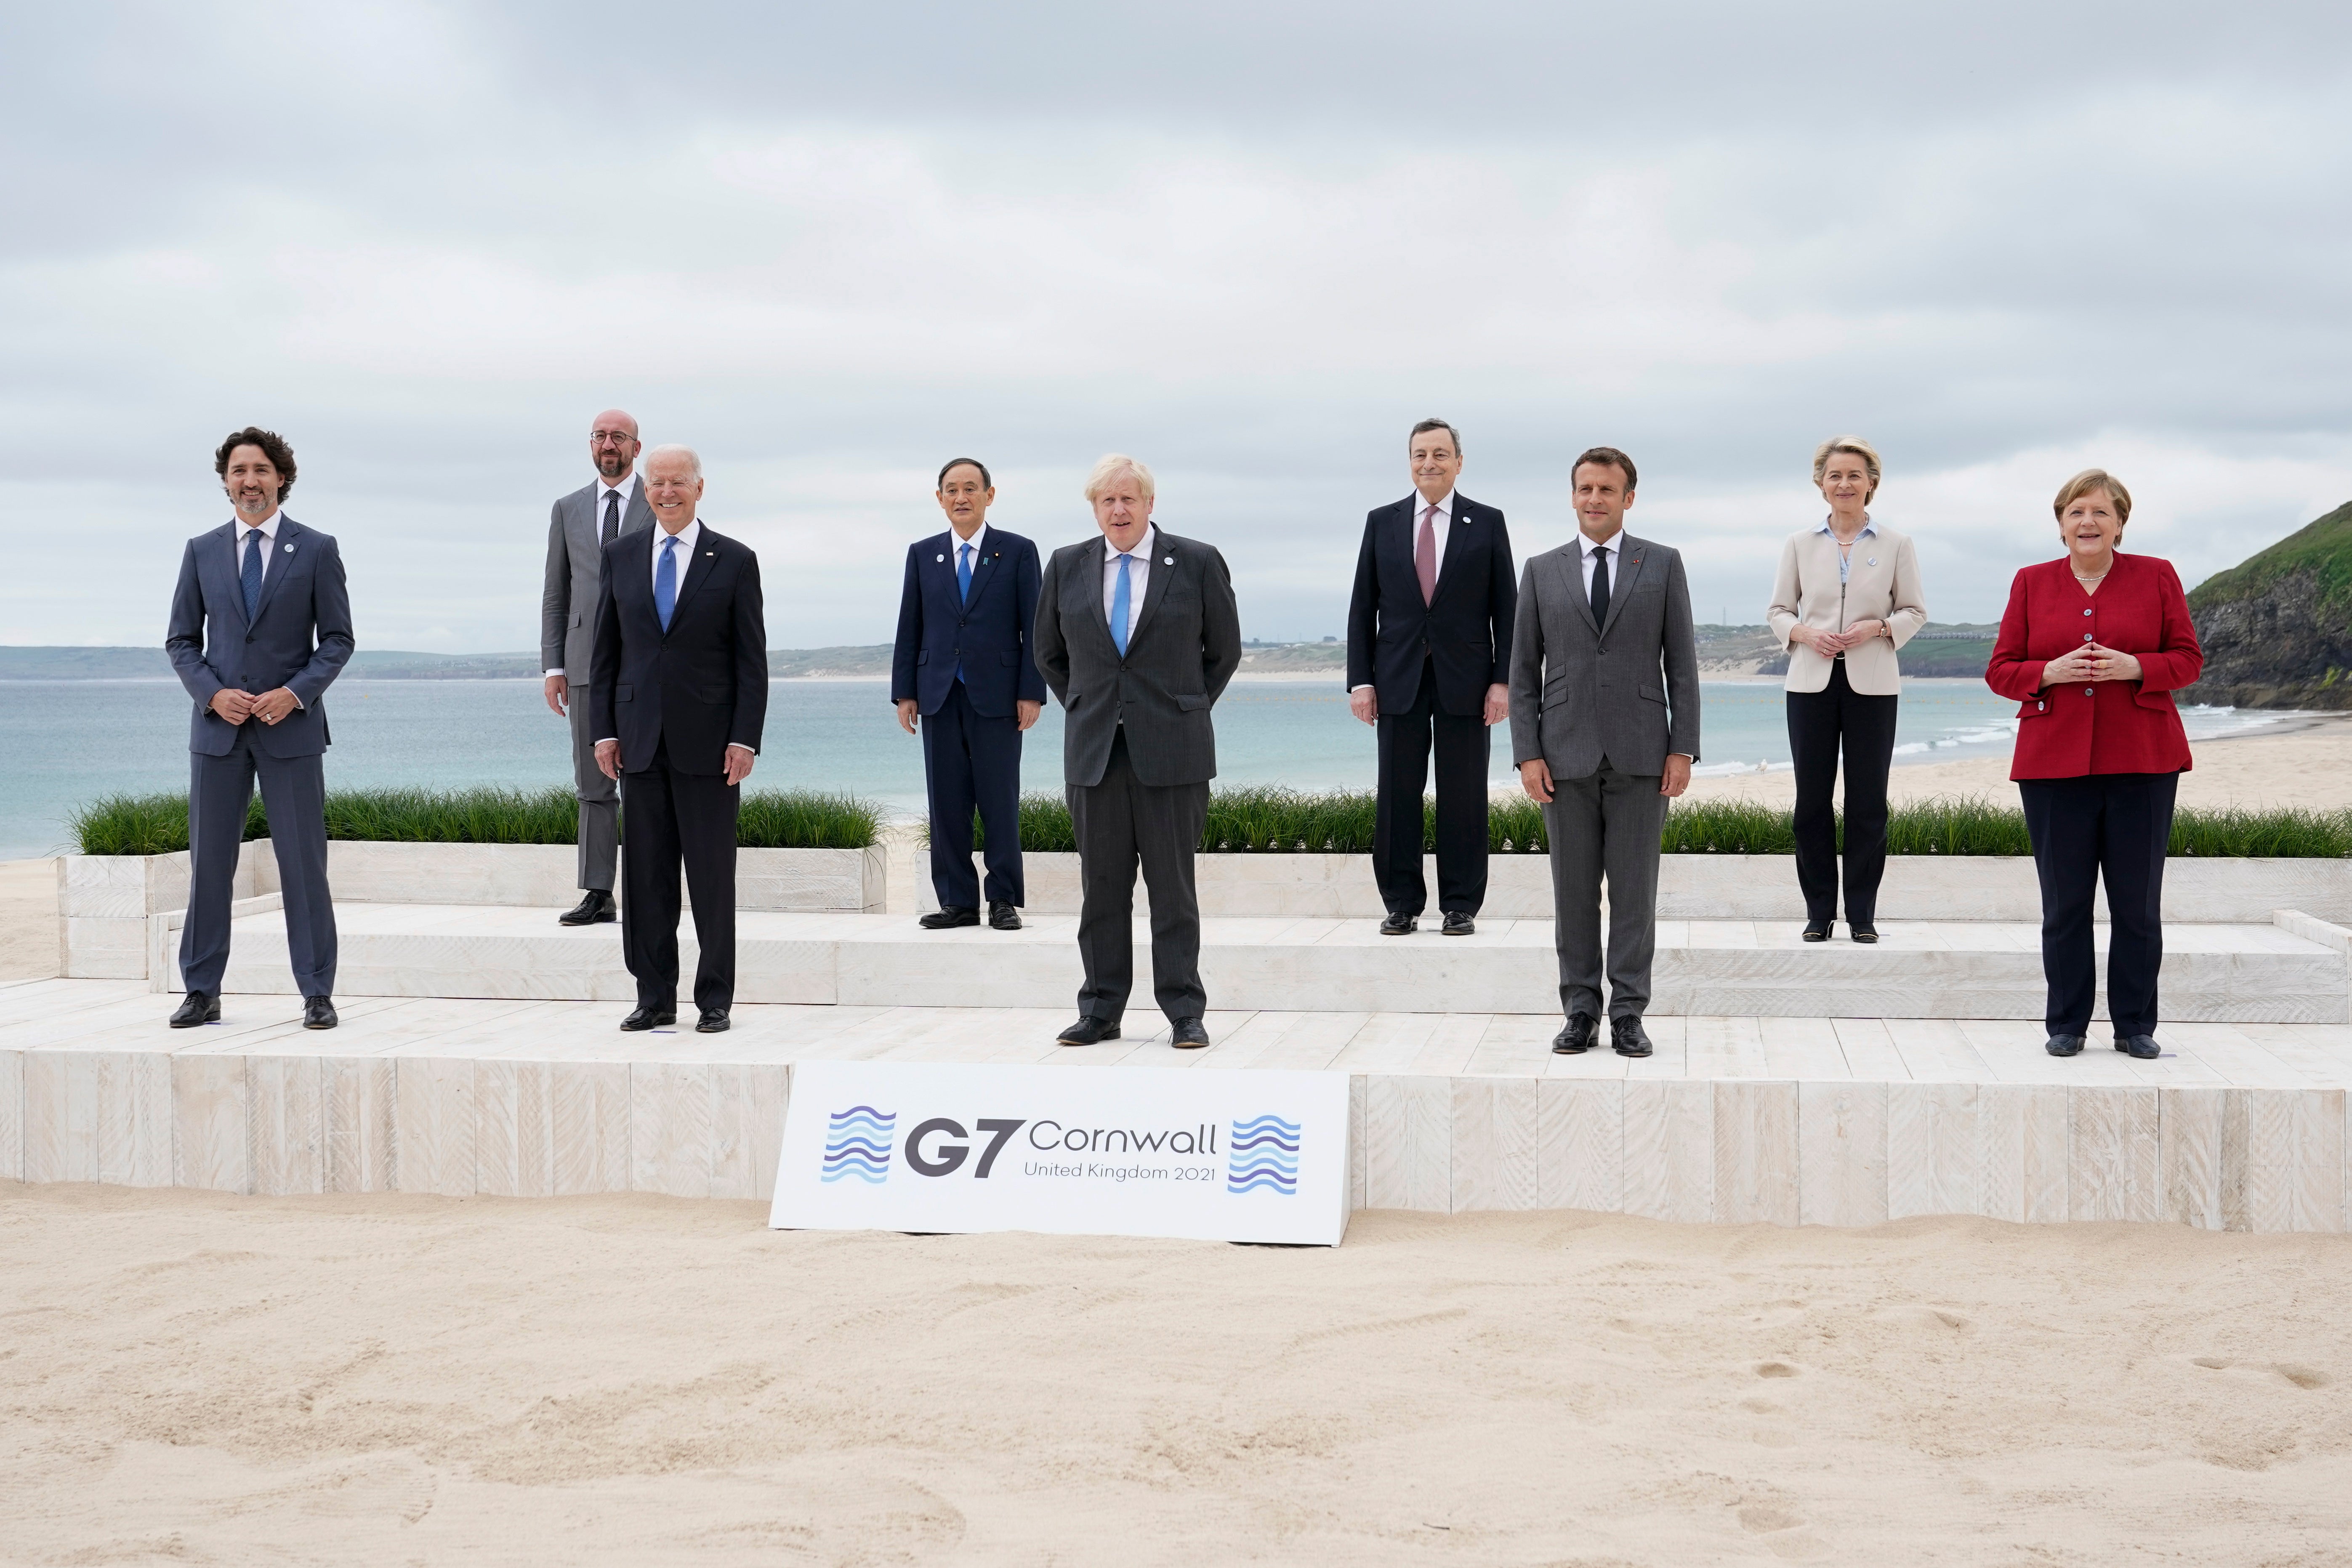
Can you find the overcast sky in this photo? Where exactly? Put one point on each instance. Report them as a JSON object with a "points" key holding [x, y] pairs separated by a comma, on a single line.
{"points": [[1249, 244]]}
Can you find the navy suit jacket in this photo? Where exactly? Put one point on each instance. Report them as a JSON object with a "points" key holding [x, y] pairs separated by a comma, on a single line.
{"points": [[1465, 629], [300, 638], [989, 634], [698, 688]]}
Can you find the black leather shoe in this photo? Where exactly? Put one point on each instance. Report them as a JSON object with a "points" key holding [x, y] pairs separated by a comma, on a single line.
{"points": [[201, 1007], [1864, 932], [1577, 1038], [318, 1012], [1629, 1038], [1817, 931], [2142, 1046], [1458, 924], [948, 919], [1189, 1034], [1004, 917], [594, 908], [2064, 1045], [1401, 925], [1087, 1030], [647, 1018], [714, 1021]]}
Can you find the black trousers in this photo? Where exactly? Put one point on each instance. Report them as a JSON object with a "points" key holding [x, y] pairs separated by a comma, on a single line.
{"points": [[1464, 746], [2113, 826], [668, 817], [1122, 823], [1820, 723], [969, 761]]}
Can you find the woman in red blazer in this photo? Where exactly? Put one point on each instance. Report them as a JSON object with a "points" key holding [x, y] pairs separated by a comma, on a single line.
{"points": [[2092, 647]]}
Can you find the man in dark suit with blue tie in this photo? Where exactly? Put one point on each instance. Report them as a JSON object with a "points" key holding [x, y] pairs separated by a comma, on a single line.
{"points": [[261, 625], [1429, 660], [963, 665], [677, 697]]}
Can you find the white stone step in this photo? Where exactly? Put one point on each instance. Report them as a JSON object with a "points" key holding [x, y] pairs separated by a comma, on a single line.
{"points": [[2242, 973]]}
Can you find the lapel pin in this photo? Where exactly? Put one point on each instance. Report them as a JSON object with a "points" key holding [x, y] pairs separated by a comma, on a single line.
{"points": [[1873, 560], [290, 550], [1168, 560], [939, 557]]}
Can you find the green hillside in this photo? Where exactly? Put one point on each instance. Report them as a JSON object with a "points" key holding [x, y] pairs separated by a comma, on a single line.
{"points": [[2321, 551], [2277, 627]]}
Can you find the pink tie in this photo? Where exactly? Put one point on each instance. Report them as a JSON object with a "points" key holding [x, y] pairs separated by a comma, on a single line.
{"points": [[1424, 554]]}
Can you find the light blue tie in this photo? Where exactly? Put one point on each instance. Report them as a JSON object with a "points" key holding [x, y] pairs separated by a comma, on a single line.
{"points": [[964, 575], [249, 576], [666, 581], [1120, 598]]}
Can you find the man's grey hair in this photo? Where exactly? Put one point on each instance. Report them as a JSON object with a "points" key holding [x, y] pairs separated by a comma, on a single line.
{"points": [[1426, 425], [673, 450]]}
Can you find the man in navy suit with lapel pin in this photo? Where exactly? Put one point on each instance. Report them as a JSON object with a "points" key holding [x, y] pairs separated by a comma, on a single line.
{"points": [[261, 625], [964, 666], [677, 697], [1429, 660]]}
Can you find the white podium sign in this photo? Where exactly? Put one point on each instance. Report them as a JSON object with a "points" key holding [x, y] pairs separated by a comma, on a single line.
{"points": [[1209, 1154]]}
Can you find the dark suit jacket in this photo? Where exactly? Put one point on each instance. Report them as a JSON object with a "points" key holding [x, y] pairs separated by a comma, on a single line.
{"points": [[1186, 645], [702, 687], [988, 634], [1467, 628], [300, 637]]}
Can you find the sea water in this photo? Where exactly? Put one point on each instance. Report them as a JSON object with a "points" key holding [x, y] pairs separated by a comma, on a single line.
{"points": [[69, 741]]}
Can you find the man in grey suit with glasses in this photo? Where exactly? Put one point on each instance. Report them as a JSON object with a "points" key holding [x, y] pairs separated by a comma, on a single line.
{"points": [[580, 526], [1604, 727]]}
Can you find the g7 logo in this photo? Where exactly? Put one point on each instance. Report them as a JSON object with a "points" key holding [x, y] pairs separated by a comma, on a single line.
{"points": [[951, 1156]]}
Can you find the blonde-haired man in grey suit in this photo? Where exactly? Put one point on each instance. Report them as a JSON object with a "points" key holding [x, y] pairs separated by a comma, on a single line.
{"points": [[1604, 727]]}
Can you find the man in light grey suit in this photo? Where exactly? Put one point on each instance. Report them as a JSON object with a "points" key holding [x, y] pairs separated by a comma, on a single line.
{"points": [[1604, 727], [580, 525], [1136, 636]]}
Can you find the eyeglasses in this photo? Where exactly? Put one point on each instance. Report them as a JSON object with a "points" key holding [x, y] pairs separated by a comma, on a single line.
{"points": [[609, 438]]}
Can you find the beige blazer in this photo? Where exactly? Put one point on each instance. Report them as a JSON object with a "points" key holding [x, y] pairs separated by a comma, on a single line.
{"points": [[1882, 584]]}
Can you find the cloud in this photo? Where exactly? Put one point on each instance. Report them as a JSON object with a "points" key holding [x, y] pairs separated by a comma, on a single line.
{"points": [[1249, 244]]}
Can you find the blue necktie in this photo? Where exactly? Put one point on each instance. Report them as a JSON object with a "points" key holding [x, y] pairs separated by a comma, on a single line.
{"points": [[964, 575], [666, 581], [249, 576], [1120, 598]]}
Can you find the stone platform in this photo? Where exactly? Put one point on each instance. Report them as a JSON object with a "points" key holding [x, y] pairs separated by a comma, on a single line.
{"points": [[2289, 969], [1776, 1119]]}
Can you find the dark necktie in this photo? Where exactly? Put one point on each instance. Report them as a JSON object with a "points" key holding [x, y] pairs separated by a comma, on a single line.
{"points": [[1601, 587], [612, 518], [248, 577]]}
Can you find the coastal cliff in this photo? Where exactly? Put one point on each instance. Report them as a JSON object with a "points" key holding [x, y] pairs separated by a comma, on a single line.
{"points": [[2277, 627]]}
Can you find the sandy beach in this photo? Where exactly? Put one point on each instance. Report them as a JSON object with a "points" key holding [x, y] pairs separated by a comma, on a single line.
{"points": [[197, 1378]]}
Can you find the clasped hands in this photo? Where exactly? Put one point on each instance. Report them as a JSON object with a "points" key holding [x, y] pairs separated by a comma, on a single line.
{"points": [[739, 761], [1535, 777], [1025, 713], [1830, 644], [237, 706], [2090, 662]]}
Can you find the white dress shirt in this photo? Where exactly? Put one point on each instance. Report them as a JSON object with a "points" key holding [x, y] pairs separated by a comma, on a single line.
{"points": [[1138, 574], [979, 543], [1614, 545], [269, 532]]}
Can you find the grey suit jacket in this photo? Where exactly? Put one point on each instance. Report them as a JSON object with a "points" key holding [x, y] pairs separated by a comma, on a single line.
{"points": [[567, 601], [1627, 691], [1186, 645]]}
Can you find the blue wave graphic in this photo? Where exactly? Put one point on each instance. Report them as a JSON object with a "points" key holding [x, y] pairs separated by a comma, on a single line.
{"points": [[1265, 1157], [858, 1143]]}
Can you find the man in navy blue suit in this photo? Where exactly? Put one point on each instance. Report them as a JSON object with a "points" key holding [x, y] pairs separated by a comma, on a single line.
{"points": [[965, 663], [1429, 660], [261, 625]]}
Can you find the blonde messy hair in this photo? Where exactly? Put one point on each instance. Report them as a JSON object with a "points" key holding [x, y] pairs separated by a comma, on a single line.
{"points": [[1110, 469]]}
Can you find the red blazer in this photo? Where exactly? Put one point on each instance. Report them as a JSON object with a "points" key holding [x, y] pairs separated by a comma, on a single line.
{"points": [[2097, 726]]}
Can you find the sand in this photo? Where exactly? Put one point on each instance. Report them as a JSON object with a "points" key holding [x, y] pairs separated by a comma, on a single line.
{"points": [[198, 1378], [29, 933]]}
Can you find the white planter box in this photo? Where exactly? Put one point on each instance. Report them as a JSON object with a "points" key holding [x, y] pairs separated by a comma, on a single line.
{"points": [[1714, 887], [546, 875], [105, 902]]}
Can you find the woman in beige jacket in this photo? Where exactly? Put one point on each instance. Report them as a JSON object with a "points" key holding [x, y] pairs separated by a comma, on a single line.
{"points": [[1846, 597]]}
